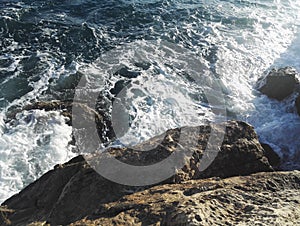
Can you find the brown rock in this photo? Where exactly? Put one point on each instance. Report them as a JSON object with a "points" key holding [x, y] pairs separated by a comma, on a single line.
{"points": [[67, 193], [74, 190], [241, 153], [279, 84], [263, 198]]}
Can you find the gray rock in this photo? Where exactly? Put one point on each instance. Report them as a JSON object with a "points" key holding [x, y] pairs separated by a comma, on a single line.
{"points": [[279, 83]]}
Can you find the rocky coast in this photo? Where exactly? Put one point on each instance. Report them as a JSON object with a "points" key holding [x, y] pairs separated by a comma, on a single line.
{"points": [[243, 184], [230, 191]]}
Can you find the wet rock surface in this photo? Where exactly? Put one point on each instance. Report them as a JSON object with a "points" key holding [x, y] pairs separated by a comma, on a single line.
{"points": [[279, 83], [74, 190], [65, 107]]}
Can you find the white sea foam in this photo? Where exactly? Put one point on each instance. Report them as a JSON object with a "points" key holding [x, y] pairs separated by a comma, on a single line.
{"points": [[2, 124], [264, 35], [30, 145], [159, 98], [272, 41]]}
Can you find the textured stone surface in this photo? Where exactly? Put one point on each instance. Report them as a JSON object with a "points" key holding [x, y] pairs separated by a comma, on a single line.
{"points": [[240, 153], [259, 199], [279, 84], [74, 190], [271, 198]]}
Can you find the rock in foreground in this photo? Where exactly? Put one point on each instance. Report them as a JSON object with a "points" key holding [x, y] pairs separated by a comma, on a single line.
{"points": [[271, 198], [74, 190], [279, 84], [259, 199]]}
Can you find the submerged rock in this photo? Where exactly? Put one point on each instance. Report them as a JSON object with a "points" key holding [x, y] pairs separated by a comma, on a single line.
{"points": [[87, 114], [279, 83], [65, 107], [74, 190]]}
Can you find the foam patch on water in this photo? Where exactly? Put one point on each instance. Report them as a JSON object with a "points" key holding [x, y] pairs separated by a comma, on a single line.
{"points": [[29, 146], [268, 38], [158, 96], [158, 103]]}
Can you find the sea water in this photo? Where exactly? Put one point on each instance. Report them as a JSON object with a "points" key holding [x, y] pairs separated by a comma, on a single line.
{"points": [[48, 46]]}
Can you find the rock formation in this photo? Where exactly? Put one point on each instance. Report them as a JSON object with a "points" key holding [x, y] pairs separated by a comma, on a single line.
{"points": [[259, 199], [279, 84], [72, 191], [262, 199]]}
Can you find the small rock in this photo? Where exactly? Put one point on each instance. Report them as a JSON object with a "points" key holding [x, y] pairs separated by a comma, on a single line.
{"points": [[279, 83]]}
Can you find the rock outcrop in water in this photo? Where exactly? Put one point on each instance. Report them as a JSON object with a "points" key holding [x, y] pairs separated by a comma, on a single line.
{"points": [[279, 83], [87, 114], [73, 191], [65, 107]]}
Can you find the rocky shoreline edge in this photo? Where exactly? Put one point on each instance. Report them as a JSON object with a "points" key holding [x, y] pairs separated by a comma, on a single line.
{"points": [[243, 185]]}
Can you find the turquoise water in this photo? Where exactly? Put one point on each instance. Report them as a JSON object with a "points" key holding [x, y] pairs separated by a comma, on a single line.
{"points": [[47, 46]]}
